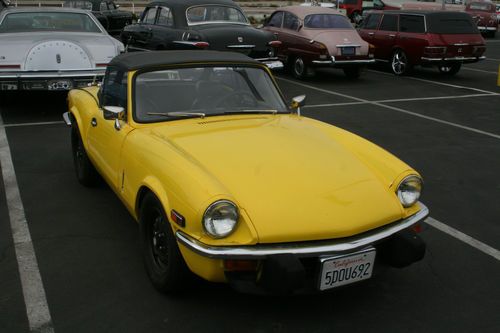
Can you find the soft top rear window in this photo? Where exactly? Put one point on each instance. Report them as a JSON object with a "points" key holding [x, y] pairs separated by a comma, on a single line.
{"points": [[451, 23]]}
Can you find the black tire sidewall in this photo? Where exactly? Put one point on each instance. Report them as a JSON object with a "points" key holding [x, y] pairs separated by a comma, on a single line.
{"points": [[85, 171]]}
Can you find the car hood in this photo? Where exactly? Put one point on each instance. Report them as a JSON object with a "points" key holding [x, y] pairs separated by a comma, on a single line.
{"points": [[289, 174], [339, 37], [219, 36], [94, 48]]}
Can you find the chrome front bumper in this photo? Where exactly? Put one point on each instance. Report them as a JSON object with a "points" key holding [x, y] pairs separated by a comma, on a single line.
{"points": [[302, 249], [272, 63], [48, 80], [483, 28]]}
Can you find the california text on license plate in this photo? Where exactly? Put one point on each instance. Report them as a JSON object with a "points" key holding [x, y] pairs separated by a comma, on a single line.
{"points": [[340, 270]]}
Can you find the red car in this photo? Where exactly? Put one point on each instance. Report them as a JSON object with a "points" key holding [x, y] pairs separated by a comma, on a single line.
{"points": [[484, 13], [405, 38]]}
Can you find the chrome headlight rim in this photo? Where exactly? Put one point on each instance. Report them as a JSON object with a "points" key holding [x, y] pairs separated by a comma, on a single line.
{"points": [[399, 190], [211, 209]]}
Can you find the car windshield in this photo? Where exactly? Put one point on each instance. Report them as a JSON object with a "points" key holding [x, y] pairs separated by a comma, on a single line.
{"points": [[215, 13], [87, 5], [203, 91], [481, 6], [48, 21], [451, 23], [327, 21]]}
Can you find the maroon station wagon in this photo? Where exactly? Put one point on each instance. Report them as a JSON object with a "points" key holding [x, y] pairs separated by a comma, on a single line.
{"points": [[404, 38], [314, 37]]}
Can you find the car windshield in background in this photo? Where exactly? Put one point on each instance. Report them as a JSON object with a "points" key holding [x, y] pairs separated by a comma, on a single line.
{"points": [[47, 21], [482, 6], [191, 92], [87, 5], [214, 13], [451, 23], [327, 21]]}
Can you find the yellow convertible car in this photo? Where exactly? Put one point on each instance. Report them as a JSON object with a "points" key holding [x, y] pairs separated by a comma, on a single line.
{"points": [[229, 182]]}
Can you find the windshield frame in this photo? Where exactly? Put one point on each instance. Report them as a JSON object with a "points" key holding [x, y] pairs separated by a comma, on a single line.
{"points": [[189, 23], [137, 73]]}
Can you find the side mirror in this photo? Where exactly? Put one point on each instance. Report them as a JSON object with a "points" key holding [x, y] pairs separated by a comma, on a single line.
{"points": [[114, 112], [298, 102]]}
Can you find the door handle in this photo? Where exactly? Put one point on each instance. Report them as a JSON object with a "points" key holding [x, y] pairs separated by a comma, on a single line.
{"points": [[93, 122], [371, 33], [392, 36]]}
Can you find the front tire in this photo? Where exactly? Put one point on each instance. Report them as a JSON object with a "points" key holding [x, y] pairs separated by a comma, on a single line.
{"points": [[399, 63], [299, 68], [85, 172], [449, 69], [164, 263]]}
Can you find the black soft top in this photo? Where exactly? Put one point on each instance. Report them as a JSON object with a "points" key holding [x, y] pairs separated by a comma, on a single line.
{"points": [[139, 60]]}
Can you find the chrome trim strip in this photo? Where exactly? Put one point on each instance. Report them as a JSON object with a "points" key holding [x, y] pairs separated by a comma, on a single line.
{"points": [[461, 44], [343, 62], [487, 28], [51, 74], [302, 249], [453, 59], [248, 46], [348, 45], [67, 119]]}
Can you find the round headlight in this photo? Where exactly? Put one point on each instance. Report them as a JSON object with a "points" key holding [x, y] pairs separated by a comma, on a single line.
{"points": [[409, 190], [220, 218]]}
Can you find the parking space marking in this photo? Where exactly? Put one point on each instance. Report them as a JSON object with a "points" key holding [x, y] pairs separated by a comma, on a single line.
{"points": [[33, 124], [464, 238], [35, 300], [492, 59], [399, 100], [437, 120], [438, 83], [479, 70]]}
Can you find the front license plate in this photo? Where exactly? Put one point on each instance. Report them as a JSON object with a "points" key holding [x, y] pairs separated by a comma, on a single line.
{"points": [[348, 51], [350, 268]]}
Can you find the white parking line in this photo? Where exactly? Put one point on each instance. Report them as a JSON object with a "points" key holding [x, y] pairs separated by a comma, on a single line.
{"points": [[32, 124], [35, 301], [467, 128], [464, 238], [479, 70], [492, 59]]}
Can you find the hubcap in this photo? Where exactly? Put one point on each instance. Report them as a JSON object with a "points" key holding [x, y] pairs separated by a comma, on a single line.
{"points": [[299, 66], [159, 242], [399, 63]]}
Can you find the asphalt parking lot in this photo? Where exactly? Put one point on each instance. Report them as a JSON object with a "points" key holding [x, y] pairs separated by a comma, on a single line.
{"points": [[87, 247]]}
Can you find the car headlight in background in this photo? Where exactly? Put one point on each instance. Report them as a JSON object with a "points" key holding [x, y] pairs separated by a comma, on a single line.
{"points": [[220, 218], [409, 190]]}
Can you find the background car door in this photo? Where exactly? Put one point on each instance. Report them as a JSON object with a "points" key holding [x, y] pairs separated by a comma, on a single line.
{"points": [[412, 35], [104, 140], [274, 25], [163, 31], [294, 43], [369, 27], [386, 36], [140, 36]]}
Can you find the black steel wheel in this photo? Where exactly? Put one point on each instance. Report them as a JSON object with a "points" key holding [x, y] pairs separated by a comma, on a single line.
{"points": [[450, 69], [399, 63], [299, 68], [164, 263], [85, 172]]}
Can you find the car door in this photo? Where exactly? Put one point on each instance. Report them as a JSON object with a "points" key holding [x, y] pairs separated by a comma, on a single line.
{"points": [[163, 31], [103, 139], [290, 37], [273, 25], [386, 37], [369, 27], [412, 36], [140, 35]]}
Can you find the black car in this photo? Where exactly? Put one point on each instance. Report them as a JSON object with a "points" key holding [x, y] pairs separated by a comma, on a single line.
{"points": [[107, 12], [3, 4], [200, 24]]}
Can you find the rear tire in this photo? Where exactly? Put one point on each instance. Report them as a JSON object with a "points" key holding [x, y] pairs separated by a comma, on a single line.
{"points": [[85, 172], [449, 69], [299, 68], [399, 63], [162, 258]]}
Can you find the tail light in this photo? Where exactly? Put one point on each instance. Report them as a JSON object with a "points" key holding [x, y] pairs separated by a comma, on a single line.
{"points": [[320, 46], [434, 51], [371, 50], [101, 65], [274, 43], [201, 45]]}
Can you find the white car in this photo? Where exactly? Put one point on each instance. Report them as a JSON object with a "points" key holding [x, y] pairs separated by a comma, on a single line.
{"points": [[53, 49]]}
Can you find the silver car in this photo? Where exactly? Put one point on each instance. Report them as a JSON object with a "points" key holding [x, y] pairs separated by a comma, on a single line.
{"points": [[52, 49]]}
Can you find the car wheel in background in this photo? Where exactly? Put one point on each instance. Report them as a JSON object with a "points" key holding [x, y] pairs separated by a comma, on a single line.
{"points": [[356, 18], [164, 263], [352, 72], [450, 69], [399, 62], [85, 171], [299, 68]]}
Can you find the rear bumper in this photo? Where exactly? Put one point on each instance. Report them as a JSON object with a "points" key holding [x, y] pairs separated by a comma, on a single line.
{"points": [[48, 80], [452, 59], [302, 249], [333, 62]]}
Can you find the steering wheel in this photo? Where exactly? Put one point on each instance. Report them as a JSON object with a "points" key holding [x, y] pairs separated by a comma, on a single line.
{"points": [[237, 99]]}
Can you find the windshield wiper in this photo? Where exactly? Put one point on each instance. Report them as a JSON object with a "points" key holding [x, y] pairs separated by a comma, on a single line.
{"points": [[253, 111], [177, 114]]}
